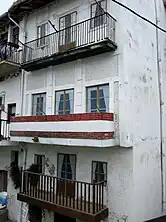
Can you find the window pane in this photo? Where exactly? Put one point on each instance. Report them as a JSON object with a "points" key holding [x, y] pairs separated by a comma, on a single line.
{"points": [[39, 104], [94, 104], [104, 98]]}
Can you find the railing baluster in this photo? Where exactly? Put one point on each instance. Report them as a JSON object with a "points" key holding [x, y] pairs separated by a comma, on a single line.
{"points": [[81, 198], [85, 202], [77, 195], [93, 199], [89, 196], [44, 187]]}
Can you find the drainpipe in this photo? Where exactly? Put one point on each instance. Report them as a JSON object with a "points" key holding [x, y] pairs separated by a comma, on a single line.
{"points": [[23, 72], [12, 20], [161, 110]]}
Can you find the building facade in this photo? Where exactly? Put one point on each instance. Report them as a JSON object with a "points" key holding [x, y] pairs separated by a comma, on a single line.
{"points": [[82, 96]]}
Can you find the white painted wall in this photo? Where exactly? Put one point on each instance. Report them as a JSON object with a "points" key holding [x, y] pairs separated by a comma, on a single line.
{"points": [[134, 174], [120, 164], [11, 89]]}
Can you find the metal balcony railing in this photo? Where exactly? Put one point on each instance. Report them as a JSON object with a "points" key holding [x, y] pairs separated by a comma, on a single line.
{"points": [[10, 53], [88, 32], [76, 195]]}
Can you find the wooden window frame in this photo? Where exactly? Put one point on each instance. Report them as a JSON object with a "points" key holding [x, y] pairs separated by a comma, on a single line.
{"points": [[98, 98], [39, 34], [4, 184], [42, 113], [93, 171], [64, 101], [15, 35], [63, 154], [41, 165], [91, 13]]}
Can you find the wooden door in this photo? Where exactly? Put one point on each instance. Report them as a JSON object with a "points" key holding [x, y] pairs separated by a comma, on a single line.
{"points": [[67, 31], [66, 174]]}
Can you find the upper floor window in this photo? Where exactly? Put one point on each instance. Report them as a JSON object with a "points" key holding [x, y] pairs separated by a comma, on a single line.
{"points": [[64, 101], [39, 104], [42, 31], [99, 172], [15, 35], [98, 99], [97, 11]]}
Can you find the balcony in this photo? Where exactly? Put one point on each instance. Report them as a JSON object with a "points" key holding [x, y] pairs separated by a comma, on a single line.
{"points": [[10, 59], [5, 133], [87, 38], [86, 129], [71, 198]]}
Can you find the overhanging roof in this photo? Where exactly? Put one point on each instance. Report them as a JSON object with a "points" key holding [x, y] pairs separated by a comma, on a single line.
{"points": [[22, 7]]}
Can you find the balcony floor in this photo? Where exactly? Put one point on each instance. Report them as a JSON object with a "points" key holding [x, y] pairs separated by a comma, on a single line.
{"points": [[71, 207], [7, 68], [70, 55]]}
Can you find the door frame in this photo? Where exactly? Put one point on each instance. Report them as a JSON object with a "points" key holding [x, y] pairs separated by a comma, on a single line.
{"points": [[70, 191]]}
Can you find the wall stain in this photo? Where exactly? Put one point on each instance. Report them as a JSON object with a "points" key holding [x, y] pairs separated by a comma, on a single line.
{"points": [[50, 167]]}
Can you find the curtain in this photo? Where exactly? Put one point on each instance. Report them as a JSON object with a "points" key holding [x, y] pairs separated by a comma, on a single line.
{"points": [[93, 97], [66, 170], [99, 172], [61, 105], [68, 108]]}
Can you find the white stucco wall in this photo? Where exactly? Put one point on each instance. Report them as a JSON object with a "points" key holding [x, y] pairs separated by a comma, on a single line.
{"points": [[134, 176], [120, 164], [139, 112], [11, 89]]}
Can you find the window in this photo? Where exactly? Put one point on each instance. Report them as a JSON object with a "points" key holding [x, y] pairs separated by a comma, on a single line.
{"points": [[42, 32], [98, 99], [3, 180], [40, 161], [15, 156], [67, 166], [39, 104], [99, 172], [11, 111], [64, 101], [15, 36], [97, 11]]}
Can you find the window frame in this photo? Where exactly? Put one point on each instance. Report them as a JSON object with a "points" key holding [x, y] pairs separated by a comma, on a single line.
{"points": [[58, 165], [36, 156], [105, 165], [39, 34], [4, 181], [64, 102], [98, 98], [15, 35], [44, 110], [92, 25]]}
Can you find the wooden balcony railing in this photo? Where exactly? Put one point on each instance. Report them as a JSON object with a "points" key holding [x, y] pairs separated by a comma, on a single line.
{"points": [[82, 34], [76, 195]]}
